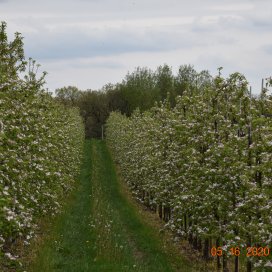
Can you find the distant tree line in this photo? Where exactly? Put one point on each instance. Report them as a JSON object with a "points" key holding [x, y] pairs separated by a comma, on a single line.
{"points": [[139, 89]]}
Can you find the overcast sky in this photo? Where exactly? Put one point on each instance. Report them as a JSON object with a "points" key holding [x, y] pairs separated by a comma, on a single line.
{"points": [[88, 43]]}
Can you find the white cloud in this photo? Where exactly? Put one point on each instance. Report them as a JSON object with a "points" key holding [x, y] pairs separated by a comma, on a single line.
{"points": [[90, 43], [233, 7]]}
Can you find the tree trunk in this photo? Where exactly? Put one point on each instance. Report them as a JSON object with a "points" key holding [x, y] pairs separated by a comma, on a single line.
{"points": [[206, 250], [195, 243], [199, 245], [185, 223], [225, 263], [236, 264], [166, 214], [160, 211], [218, 260], [190, 232], [249, 263], [143, 195]]}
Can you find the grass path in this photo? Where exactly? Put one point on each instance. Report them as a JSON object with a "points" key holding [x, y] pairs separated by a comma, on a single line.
{"points": [[100, 230]]}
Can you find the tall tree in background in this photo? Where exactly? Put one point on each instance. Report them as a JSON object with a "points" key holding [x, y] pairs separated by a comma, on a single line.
{"points": [[68, 95], [165, 83], [94, 110], [139, 90], [185, 79]]}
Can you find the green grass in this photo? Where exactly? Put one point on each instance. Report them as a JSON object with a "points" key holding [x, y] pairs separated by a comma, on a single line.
{"points": [[100, 230]]}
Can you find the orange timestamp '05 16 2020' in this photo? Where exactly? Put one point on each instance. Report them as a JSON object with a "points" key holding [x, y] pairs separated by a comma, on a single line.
{"points": [[236, 251]]}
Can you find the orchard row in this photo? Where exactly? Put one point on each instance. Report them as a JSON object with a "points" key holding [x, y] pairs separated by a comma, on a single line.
{"points": [[204, 165], [40, 148]]}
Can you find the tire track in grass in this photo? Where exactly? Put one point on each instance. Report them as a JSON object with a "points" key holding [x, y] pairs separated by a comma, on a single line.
{"points": [[100, 229]]}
